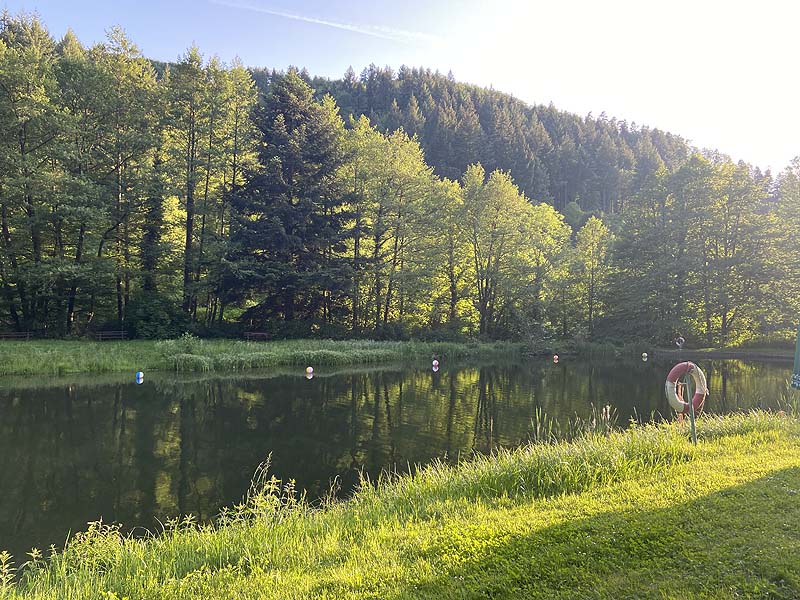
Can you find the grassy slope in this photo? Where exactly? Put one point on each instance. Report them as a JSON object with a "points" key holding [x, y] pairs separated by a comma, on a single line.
{"points": [[55, 357], [638, 515]]}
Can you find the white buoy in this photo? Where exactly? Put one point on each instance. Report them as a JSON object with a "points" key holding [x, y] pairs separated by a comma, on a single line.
{"points": [[555, 358], [139, 378], [644, 356], [309, 370], [435, 363]]}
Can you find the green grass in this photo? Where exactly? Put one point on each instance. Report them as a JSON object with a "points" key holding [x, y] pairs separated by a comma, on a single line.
{"points": [[639, 514], [56, 357], [773, 353]]}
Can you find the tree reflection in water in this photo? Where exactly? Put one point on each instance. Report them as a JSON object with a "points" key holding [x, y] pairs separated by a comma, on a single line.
{"points": [[76, 450]]}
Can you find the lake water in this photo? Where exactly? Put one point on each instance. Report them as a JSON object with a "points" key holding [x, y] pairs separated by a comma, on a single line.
{"points": [[79, 448]]}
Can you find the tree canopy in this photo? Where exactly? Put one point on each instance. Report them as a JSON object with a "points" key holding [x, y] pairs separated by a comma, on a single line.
{"points": [[208, 197]]}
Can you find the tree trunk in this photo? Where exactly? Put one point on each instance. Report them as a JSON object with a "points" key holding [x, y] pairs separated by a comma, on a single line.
{"points": [[74, 289], [12, 257], [203, 216], [451, 274], [356, 271], [377, 268], [390, 284], [187, 252]]}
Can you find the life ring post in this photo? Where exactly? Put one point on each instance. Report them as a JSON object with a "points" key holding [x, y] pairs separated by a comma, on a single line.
{"points": [[675, 389]]}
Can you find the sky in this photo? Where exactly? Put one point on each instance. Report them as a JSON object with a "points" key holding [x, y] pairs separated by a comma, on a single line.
{"points": [[722, 74]]}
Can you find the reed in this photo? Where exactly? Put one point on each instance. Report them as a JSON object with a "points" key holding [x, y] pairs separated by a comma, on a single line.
{"points": [[188, 353]]}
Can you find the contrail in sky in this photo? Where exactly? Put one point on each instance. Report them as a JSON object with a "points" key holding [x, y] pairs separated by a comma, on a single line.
{"points": [[385, 33]]}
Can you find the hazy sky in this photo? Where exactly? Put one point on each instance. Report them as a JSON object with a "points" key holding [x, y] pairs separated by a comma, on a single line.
{"points": [[722, 74]]}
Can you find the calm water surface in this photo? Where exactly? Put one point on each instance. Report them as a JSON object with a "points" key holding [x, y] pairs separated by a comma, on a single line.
{"points": [[80, 448]]}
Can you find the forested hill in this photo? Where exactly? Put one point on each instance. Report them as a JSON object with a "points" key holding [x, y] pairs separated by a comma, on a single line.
{"points": [[163, 198], [554, 156]]}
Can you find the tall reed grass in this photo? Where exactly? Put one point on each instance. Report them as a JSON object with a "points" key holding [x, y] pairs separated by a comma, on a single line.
{"points": [[188, 353]]}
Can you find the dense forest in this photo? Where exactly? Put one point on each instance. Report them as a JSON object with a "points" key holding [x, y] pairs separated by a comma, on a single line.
{"points": [[209, 197]]}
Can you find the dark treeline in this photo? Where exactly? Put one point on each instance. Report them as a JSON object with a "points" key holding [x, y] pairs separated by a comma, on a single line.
{"points": [[556, 157], [203, 196]]}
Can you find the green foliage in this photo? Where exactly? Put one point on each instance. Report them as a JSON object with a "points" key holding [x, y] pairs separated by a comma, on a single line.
{"points": [[6, 572], [191, 362], [574, 216], [592, 268], [152, 315], [514, 246], [189, 353], [185, 344], [557, 157], [87, 209], [161, 198], [699, 255], [290, 218]]}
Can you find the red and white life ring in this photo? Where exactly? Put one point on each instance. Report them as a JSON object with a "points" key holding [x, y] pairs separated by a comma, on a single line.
{"points": [[671, 387]]}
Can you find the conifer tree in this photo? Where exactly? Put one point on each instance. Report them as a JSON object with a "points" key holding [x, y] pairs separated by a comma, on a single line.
{"points": [[290, 216]]}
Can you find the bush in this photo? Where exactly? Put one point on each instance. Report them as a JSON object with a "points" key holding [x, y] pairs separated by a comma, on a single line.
{"points": [[154, 316], [186, 344], [391, 332], [445, 332], [224, 330]]}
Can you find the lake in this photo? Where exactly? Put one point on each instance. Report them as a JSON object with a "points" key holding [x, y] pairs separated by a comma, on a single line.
{"points": [[78, 448]]}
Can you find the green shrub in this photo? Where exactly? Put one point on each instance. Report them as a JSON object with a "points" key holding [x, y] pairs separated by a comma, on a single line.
{"points": [[185, 344], [192, 362], [154, 316]]}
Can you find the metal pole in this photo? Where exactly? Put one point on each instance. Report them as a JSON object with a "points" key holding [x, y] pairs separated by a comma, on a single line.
{"points": [[690, 398], [796, 374]]}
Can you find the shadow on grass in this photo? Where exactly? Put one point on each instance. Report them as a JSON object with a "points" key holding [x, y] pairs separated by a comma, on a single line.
{"points": [[740, 542]]}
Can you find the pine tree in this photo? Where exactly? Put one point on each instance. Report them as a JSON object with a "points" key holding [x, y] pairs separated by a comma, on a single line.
{"points": [[290, 214], [468, 138], [394, 120], [414, 120]]}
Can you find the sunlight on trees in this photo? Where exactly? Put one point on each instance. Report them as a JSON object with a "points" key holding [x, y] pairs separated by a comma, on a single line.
{"points": [[208, 197]]}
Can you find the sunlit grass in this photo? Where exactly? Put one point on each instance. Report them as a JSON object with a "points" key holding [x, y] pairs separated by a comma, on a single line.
{"points": [[637, 514], [53, 357]]}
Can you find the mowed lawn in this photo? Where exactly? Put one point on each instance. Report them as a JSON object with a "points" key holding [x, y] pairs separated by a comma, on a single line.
{"points": [[639, 514]]}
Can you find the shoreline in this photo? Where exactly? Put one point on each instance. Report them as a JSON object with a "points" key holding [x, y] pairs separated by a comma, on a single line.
{"points": [[517, 523], [776, 354], [188, 354]]}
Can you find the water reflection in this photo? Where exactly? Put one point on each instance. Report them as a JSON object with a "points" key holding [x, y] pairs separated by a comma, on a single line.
{"points": [[76, 450]]}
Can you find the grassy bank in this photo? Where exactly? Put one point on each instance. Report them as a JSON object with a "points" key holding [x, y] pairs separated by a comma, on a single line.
{"points": [[607, 350], [781, 354], [55, 357], [640, 514]]}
